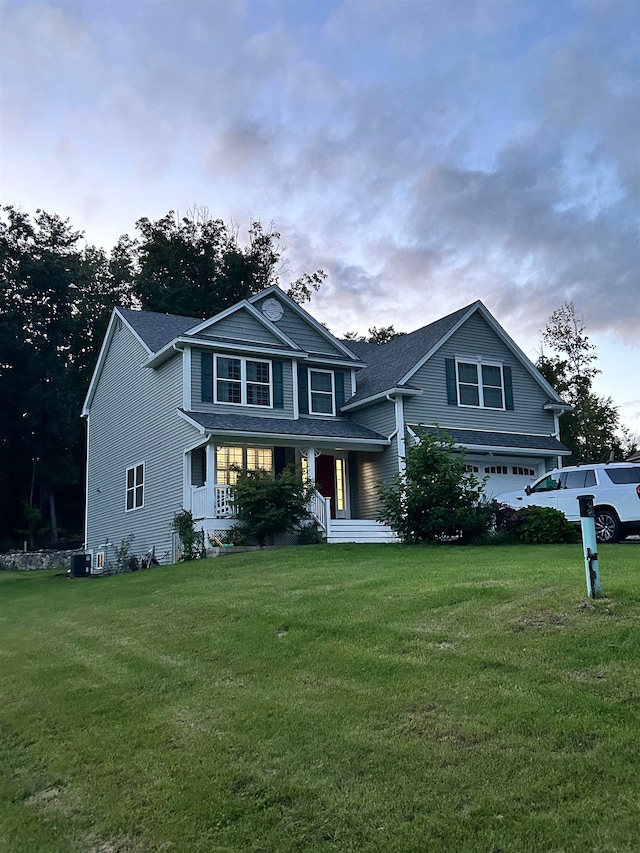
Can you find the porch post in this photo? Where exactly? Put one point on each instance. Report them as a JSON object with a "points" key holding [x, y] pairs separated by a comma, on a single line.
{"points": [[311, 463], [211, 476]]}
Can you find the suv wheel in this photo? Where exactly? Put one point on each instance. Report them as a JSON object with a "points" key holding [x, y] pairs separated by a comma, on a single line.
{"points": [[607, 526]]}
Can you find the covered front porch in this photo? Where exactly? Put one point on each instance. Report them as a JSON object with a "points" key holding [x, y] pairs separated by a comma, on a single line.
{"points": [[343, 505]]}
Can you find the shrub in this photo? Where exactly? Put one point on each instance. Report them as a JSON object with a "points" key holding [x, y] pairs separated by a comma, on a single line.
{"points": [[271, 505], [191, 540], [544, 525], [435, 498], [309, 534]]}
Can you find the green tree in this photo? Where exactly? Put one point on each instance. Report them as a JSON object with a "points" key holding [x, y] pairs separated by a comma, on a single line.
{"points": [[592, 431], [195, 265], [270, 505], [376, 336], [435, 497], [55, 299]]}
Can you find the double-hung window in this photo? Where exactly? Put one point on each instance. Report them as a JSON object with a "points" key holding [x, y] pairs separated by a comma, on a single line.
{"points": [[135, 487], [230, 460], [321, 392], [480, 383], [244, 381]]}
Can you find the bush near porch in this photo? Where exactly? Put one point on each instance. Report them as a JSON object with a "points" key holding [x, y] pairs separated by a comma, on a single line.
{"points": [[348, 698]]}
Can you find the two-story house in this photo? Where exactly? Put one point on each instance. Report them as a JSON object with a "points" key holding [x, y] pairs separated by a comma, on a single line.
{"points": [[176, 404]]}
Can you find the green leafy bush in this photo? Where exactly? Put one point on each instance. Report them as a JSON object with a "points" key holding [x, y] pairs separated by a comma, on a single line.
{"points": [[544, 525], [309, 534], [436, 497], [191, 540], [270, 505]]}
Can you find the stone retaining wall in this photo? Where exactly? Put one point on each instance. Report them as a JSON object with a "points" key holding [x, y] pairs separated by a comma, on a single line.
{"points": [[30, 561]]}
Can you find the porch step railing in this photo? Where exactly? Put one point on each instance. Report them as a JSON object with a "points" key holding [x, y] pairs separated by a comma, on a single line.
{"points": [[320, 509]]}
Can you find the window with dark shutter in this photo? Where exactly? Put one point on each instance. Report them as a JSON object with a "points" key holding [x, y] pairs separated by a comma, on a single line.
{"points": [[452, 395], [278, 385], [303, 391]]}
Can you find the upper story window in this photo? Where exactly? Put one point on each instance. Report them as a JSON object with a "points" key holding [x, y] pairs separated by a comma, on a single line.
{"points": [[244, 381], [321, 392], [135, 487], [479, 383]]}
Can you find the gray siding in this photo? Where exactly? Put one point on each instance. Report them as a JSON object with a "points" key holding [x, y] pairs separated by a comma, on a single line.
{"points": [[374, 467], [132, 420], [475, 339], [260, 411], [304, 334], [242, 326]]}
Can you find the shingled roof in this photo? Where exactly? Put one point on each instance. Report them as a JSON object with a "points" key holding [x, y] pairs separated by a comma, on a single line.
{"points": [[388, 363], [484, 438], [330, 429], [157, 330]]}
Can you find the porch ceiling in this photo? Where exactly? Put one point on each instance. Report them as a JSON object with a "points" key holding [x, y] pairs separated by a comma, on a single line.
{"points": [[338, 432]]}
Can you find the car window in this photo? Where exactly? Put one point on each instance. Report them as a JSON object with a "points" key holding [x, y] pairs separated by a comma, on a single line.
{"points": [[621, 476], [580, 479], [549, 484]]}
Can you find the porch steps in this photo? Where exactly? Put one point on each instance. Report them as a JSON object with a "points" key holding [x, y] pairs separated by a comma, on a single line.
{"points": [[359, 530]]}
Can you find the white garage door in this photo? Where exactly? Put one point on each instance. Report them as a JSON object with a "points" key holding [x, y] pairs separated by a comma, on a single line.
{"points": [[505, 475]]}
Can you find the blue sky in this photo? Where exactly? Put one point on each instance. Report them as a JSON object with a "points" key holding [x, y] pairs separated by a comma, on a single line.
{"points": [[425, 154]]}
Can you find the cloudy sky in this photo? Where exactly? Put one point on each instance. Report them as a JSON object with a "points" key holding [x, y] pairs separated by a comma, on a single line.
{"points": [[424, 153]]}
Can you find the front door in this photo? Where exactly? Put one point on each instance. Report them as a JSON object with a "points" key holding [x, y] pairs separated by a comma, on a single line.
{"points": [[326, 479]]}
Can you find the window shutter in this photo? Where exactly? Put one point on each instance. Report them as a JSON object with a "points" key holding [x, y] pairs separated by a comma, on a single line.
{"points": [[508, 388], [339, 375], [452, 395], [303, 396], [206, 376], [278, 386]]}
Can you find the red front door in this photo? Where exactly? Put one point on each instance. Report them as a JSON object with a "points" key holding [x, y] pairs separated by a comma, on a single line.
{"points": [[326, 480]]}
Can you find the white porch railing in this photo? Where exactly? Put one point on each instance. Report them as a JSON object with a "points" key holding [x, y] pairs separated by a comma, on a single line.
{"points": [[320, 509], [199, 502], [223, 503], [219, 505]]}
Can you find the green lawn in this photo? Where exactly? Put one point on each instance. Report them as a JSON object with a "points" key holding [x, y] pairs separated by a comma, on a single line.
{"points": [[326, 698]]}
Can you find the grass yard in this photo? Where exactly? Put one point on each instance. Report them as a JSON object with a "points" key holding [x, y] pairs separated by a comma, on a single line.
{"points": [[326, 698]]}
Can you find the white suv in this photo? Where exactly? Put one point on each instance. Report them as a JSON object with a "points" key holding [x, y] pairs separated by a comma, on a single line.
{"points": [[615, 487]]}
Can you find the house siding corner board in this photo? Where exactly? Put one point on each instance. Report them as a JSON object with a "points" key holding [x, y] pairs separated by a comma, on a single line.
{"points": [[261, 411], [475, 339], [133, 421]]}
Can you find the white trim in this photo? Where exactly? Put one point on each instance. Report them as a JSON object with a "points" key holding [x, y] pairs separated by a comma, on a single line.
{"points": [[305, 316], [243, 381], [382, 395], [247, 306], [167, 351], [401, 444], [86, 488], [135, 486], [186, 378], [294, 380], [478, 362], [479, 307], [311, 391], [191, 421]]}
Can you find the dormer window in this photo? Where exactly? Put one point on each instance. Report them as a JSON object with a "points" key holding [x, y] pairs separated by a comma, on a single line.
{"points": [[243, 381]]}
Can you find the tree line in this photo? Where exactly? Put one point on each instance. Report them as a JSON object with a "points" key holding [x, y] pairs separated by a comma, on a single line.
{"points": [[55, 302]]}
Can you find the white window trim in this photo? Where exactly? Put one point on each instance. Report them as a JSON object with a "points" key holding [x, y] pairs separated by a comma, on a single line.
{"points": [[135, 486], [244, 448], [243, 381], [310, 392], [479, 363]]}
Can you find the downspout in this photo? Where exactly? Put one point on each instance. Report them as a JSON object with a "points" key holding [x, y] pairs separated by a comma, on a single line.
{"points": [[399, 431]]}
